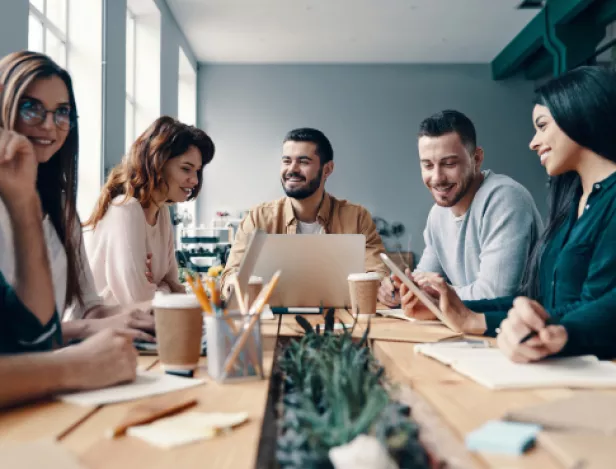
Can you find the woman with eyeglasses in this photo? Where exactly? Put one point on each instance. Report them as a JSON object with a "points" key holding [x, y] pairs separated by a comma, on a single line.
{"points": [[37, 101], [568, 305]]}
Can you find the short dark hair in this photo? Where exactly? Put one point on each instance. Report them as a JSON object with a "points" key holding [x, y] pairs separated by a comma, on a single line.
{"points": [[448, 121], [305, 134]]}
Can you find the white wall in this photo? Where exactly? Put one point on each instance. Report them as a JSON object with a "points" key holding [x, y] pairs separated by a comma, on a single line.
{"points": [[371, 114]]}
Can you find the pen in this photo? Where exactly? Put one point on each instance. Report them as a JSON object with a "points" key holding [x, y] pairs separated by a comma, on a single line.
{"points": [[531, 334], [153, 415], [279, 310]]}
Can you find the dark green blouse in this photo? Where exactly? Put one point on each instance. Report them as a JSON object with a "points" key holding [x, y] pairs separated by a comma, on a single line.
{"points": [[20, 330], [577, 277]]}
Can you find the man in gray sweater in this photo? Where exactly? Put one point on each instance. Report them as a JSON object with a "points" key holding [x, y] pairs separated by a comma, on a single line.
{"points": [[481, 230]]}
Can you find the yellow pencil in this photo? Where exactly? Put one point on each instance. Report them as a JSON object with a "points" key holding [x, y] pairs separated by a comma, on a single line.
{"points": [[201, 296], [255, 311]]}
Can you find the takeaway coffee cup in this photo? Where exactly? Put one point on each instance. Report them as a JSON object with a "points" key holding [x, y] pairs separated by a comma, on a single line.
{"points": [[179, 327], [364, 288]]}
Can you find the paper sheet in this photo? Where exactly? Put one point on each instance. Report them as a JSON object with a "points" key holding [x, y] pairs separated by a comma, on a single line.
{"points": [[36, 455], [148, 383], [186, 428], [490, 368]]}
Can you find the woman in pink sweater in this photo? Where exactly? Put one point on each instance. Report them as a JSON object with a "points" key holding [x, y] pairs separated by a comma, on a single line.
{"points": [[131, 224]]}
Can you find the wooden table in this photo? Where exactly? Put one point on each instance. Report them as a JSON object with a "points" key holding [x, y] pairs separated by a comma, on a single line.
{"points": [[458, 402]]}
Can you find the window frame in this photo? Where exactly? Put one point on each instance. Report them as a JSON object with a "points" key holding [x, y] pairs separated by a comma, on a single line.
{"points": [[132, 99], [48, 25]]}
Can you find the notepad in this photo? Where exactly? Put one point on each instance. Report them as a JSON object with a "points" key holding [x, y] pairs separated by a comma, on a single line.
{"points": [[502, 437], [394, 331], [490, 368], [399, 314], [186, 428], [148, 383]]}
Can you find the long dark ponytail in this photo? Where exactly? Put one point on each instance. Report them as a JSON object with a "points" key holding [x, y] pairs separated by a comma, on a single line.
{"points": [[583, 104]]}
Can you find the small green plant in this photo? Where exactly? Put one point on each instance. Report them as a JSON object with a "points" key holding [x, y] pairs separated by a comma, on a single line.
{"points": [[332, 392]]}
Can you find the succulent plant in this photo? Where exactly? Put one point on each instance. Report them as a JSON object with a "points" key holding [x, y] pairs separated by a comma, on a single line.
{"points": [[332, 392]]}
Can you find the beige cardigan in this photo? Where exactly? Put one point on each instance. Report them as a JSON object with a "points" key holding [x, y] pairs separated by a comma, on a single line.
{"points": [[117, 251]]}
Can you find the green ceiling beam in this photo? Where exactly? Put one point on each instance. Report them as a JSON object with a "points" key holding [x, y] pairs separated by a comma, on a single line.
{"points": [[564, 32], [605, 12], [523, 46]]}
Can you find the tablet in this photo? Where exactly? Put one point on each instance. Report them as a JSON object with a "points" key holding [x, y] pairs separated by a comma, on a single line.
{"points": [[418, 292]]}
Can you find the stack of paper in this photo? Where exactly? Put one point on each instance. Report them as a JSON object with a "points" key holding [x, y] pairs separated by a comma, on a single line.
{"points": [[148, 383], [490, 368]]}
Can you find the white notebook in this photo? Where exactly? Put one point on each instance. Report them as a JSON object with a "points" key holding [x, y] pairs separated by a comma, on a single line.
{"points": [[490, 368], [148, 383]]}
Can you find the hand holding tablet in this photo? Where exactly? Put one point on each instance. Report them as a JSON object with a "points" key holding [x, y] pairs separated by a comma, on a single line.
{"points": [[421, 295]]}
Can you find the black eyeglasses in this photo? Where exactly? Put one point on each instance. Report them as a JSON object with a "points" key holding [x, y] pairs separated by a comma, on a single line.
{"points": [[33, 113]]}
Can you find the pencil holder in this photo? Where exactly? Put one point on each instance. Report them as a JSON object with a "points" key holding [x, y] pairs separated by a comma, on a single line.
{"points": [[224, 337]]}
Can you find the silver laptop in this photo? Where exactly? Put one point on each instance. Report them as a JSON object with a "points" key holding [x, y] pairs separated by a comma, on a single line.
{"points": [[314, 268]]}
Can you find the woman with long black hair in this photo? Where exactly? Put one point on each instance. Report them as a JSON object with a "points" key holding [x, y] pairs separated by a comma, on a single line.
{"points": [[569, 292]]}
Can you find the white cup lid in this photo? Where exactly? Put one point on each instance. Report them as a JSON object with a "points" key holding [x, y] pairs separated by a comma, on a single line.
{"points": [[175, 300], [366, 276]]}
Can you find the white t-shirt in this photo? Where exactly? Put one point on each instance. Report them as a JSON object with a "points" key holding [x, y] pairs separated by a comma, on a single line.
{"points": [[309, 228], [58, 263], [117, 251]]}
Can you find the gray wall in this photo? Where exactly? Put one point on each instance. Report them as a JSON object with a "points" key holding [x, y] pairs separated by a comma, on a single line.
{"points": [[371, 114], [13, 26]]}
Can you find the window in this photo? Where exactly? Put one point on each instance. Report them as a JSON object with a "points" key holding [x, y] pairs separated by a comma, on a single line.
{"points": [[47, 29], [187, 112], [143, 35], [187, 90], [131, 64], [73, 39]]}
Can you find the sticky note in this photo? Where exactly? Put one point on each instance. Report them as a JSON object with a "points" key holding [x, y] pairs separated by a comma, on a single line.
{"points": [[502, 437]]}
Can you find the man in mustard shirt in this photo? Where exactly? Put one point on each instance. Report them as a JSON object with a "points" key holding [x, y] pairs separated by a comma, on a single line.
{"points": [[307, 162]]}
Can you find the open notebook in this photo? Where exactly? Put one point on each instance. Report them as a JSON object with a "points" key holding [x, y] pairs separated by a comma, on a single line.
{"points": [[148, 383], [490, 368]]}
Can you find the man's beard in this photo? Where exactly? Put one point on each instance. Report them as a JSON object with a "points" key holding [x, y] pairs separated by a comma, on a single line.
{"points": [[464, 188], [305, 191]]}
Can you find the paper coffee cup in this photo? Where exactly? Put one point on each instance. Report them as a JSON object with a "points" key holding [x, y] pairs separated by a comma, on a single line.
{"points": [[255, 284], [364, 289], [179, 327]]}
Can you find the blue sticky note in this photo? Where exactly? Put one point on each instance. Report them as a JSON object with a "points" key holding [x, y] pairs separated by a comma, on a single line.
{"points": [[496, 436]]}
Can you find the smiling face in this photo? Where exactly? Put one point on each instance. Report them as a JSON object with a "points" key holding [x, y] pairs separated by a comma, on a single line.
{"points": [[43, 94], [557, 152], [447, 167], [182, 174], [301, 172]]}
